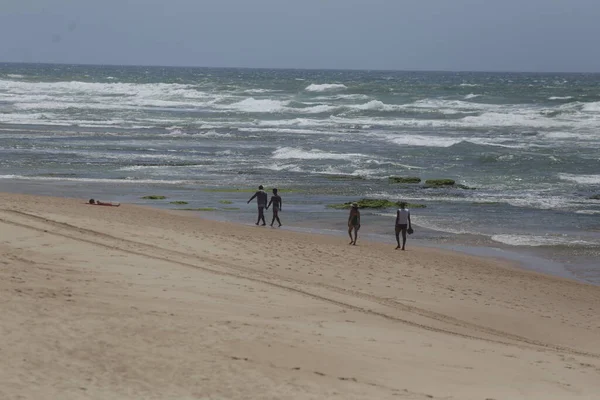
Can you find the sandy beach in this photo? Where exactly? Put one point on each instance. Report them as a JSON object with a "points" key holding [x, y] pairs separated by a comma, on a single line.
{"points": [[138, 303]]}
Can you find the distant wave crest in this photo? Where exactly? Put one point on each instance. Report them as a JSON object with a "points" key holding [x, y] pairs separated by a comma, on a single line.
{"points": [[289, 153], [325, 87], [581, 179]]}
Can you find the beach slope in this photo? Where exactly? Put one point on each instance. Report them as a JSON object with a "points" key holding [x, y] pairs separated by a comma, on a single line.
{"points": [[131, 303]]}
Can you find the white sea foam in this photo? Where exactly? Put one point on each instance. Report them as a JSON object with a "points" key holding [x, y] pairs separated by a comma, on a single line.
{"points": [[290, 153], [536, 200], [252, 105], [178, 133], [423, 141], [529, 120], [283, 130], [536, 241], [318, 109], [97, 180], [325, 87], [375, 105], [434, 224], [588, 212], [581, 179], [560, 135], [302, 122], [560, 98], [342, 97], [592, 107], [472, 96], [258, 91], [455, 106], [88, 95], [469, 85], [147, 167]]}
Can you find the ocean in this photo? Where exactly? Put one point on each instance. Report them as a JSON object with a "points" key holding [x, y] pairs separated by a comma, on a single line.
{"points": [[526, 145]]}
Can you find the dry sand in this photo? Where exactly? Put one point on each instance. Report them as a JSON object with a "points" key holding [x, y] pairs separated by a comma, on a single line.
{"points": [[137, 303]]}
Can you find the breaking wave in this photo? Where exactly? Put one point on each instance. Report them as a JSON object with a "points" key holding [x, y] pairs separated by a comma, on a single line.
{"points": [[325, 87]]}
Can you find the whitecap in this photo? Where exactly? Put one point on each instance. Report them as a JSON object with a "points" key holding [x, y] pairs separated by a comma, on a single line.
{"points": [[325, 87], [592, 107], [422, 140], [472, 96], [179, 133], [129, 180], [290, 153], [258, 91], [581, 179], [375, 105], [588, 212], [252, 105], [560, 98]]}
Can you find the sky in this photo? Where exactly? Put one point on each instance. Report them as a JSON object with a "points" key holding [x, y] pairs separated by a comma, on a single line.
{"points": [[449, 35]]}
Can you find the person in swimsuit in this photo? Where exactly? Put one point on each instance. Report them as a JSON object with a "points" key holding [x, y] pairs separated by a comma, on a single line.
{"points": [[261, 200], [353, 223], [402, 224], [277, 203]]}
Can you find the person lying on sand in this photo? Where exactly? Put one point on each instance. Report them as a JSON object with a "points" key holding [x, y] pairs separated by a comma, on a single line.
{"points": [[103, 203], [277, 202], [261, 200], [353, 223]]}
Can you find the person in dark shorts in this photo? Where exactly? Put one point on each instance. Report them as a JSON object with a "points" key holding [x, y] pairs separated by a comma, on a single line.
{"points": [[277, 202], [261, 200], [402, 224], [353, 223]]}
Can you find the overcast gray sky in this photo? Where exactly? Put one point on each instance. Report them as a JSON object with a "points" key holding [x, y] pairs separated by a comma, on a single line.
{"points": [[488, 35]]}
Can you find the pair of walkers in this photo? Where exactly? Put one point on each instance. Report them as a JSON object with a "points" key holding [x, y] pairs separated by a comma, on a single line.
{"points": [[261, 200], [403, 224]]}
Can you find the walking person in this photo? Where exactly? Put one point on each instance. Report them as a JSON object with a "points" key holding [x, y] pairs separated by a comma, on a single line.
{"points": [[261, 201], [277, 203], [353, 223], [403, 225]]}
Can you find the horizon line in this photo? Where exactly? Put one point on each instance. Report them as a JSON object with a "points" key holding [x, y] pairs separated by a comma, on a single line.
{"points": [[299, 69]]}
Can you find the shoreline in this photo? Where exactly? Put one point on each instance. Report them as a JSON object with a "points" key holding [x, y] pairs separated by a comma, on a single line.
{"points": [[544, 260], [136, 302]]}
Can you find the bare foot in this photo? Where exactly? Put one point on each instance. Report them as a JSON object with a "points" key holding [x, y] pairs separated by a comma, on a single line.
{"points": [[397, 247]]}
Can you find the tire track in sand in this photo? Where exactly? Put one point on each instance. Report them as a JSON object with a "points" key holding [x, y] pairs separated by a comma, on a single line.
{"points": [[149, 251]]}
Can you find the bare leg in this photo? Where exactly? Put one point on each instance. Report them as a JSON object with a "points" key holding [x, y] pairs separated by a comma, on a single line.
{"points": [[261, 216], [350, 234], [397, 239], [403, 238], [355, 235], [275, 217]]}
